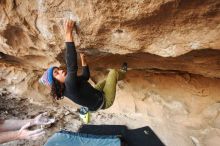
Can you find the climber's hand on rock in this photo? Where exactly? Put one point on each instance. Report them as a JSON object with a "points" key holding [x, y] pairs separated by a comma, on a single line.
{"points": [[82, 56], [69, 26], [42, 119], [24, 133], [83, 60]]}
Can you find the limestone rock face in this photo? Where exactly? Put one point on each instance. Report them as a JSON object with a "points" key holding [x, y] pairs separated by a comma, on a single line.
{"points": [[33, 30], [172, 48], [164, 27]]}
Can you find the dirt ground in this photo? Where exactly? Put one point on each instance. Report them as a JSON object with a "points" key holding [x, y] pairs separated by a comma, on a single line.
{"points": [[14, 107]]}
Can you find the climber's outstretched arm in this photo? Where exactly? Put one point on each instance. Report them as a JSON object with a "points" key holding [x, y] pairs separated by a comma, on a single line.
{"points": [[85, 68], [69, 26]]}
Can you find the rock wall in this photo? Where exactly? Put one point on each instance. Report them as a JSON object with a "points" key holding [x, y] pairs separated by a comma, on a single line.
{"points": [[165, 27], [172, 48], [140, 32]]}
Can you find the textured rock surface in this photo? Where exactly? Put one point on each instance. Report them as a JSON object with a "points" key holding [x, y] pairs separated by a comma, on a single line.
{"points": [[165, 28], [33, 31], [172, 48]]}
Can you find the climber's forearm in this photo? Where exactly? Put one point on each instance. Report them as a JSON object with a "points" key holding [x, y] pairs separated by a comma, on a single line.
{"points": [[69, 37], [69, 26], [83, 61]]}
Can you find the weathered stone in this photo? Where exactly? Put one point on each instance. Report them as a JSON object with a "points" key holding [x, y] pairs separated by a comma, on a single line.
{"points": [[172, 48]]}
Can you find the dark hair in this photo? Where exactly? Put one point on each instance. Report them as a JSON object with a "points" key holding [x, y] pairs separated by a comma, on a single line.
{"points": [[57, 89]]}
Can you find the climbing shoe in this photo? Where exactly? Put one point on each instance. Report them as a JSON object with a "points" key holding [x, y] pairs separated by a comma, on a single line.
{"points": [[124, 67]]}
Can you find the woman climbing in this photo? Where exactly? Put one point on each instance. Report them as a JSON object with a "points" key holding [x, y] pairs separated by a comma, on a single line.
{"points": [[77, 88]]}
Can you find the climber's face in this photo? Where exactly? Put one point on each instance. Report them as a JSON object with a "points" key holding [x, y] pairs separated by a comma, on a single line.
{"points": [[59, 74]]}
